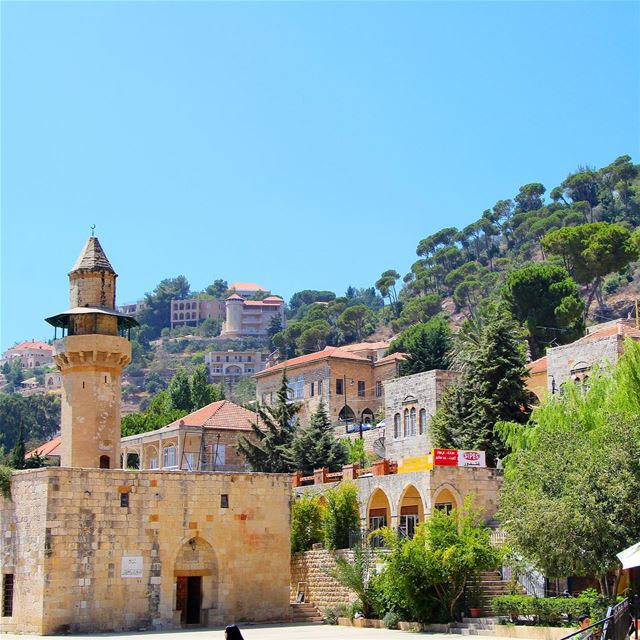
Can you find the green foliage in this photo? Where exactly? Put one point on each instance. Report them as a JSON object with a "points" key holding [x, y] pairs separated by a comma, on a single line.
{"points": [[492, 389], [315, 446], [355, 577], [244, 393], [36, 461], [424, 578], [273, 432], [427, 346], [158, 414], [306, 523], [180, 391], [355, 453], [550, 611], [307, 297], [418, 310], [356, 322], [391, 620], [545, 300], [201, 391], [18, 451], [156, 312], [5, 481], [571, 497], [217, 289], [342, 515]]}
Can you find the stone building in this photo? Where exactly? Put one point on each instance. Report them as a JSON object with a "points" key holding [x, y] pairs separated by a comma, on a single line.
{"points": [[349, 384], [31, 354], [205, 440], [99, 549], [409, 404], [250, 318], [193, 311], [603, 344], [231, 366]]}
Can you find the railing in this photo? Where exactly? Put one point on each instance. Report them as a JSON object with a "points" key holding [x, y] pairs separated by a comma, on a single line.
{"points": [[531, 580], [616, 625]]}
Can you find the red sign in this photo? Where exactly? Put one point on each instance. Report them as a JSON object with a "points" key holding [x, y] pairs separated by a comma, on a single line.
{"points": [[445, 457]]}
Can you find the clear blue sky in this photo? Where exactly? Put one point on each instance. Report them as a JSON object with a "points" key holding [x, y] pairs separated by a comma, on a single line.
{"points": [[299, 145]]}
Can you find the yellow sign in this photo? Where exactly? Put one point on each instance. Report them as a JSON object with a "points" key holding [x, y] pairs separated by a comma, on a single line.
{"points": [[419, 463]]}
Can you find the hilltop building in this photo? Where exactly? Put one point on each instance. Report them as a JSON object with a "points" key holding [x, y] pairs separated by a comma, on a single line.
{"points": [[29, 354], [349, 380], [231, 366], [88, 547], [250, 318], [193, 311]]}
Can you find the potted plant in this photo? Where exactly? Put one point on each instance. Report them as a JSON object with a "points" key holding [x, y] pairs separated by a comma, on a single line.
{"points": [[474, 597]]}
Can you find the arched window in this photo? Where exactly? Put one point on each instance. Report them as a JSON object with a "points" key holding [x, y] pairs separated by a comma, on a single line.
{"points": [[181, 306], [169, 456], [413, 421], [396, 425], [105, 462], [422, 421], [406, 422]]}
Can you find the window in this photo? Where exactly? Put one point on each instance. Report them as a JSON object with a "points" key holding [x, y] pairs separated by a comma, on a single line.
{"points": [[219, 454], [406, 422], [169, 456], [224, 501], [249, 369], [153, 463], [226, 358], [217, 358], [248, 358], [422, 421], [7, 595], [378, 389], [447, 507], [396, 425], [339, 387], [312, 389], [105, 462], [412, 421], [124, 499], [319, 387], [361, 388], [300, 388], [190, 461]]}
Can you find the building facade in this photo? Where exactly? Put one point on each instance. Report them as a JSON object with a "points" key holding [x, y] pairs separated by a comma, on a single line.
{"points": [[250, 318], [231, 366], [193, 311], [205, 440], [349, 384], [29, 354]]}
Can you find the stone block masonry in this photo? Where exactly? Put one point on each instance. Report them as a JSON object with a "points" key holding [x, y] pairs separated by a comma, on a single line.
{"points": [[113, 550]]}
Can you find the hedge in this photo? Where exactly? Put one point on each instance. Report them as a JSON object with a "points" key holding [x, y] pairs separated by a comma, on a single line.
{"points": [[551, 611]]}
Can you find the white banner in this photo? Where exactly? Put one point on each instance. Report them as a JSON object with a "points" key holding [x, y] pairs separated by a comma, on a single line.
{"points": [[472, 459]]}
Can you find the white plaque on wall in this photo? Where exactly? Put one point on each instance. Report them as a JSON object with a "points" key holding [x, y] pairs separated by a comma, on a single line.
{"points": [[131, 567]]}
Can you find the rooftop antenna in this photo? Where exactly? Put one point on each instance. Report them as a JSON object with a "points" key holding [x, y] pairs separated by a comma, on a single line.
{"points": [[93, 230]]}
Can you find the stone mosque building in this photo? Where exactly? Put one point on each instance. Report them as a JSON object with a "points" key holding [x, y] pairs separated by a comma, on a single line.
{"points": [[89, 547]]}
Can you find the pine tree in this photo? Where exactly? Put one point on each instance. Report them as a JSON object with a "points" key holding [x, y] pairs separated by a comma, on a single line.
{"points": [[273, 430], [315, 446], [492, 390], [201, 391], [18, 451]]}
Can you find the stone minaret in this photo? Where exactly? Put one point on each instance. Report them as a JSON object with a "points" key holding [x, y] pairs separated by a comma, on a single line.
{"points": [[90, 356]]}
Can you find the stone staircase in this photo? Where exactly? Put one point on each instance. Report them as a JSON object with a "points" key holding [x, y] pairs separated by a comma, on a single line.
{"points": [[474, 627], [491, 585], [305, 612]]}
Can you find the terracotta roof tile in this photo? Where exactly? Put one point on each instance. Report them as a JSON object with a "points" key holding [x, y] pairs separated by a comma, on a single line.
{"points": [[611, 330], [538, 366], [247, 286], [327, 352], [34, 344], [219, 415], [392, 356], [263, 303], [51, 448], [361, 346]]}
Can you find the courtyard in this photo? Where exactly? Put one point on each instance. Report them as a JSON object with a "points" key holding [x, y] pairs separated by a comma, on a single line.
{"points": [[262, 632]]}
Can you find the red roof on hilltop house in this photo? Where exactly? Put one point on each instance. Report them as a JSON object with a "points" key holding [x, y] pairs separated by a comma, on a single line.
{"points": [[610, 330], [247, 286], [33, 344], [218, 415], [362, 346], [51, 448], [327, 352]]}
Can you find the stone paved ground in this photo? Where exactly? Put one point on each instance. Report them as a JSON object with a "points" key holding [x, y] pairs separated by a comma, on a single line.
{"points": [[265, 632]]}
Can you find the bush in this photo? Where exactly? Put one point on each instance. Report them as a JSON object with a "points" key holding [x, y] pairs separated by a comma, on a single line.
{"points": [[5, 481], [306, 523], [341, 516], [551, 611], [391, 620]]}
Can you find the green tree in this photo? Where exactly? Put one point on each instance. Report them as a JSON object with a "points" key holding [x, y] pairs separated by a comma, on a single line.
{"points": [[590, 252], [314, 338], [273, 432], [315, 446], [342, 515], [529, 197], [18, 451], [386, 285], [275, 326], [159, 413], [38, 415], [546, 301], [492, 388], [157, 308], [418, 309], [217, 289], [355, 576], [427, 346], [571, 496], [244, 393], [306, 523], [201, 392], [356, 322], [180, 391]]}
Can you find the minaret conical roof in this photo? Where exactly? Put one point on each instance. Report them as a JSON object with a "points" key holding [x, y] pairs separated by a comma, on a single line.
{"points": [[92, 258]]}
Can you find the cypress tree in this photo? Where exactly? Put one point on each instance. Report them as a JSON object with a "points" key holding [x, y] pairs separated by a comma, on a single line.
{"points": [[315, 446], [18, 451], [273, 431]]}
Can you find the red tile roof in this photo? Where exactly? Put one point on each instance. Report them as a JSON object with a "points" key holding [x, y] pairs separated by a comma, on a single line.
{"points": [[235, 296], [362, 346], [327, 352], [33, 344], [246, 286], [538, 366], [219, 415], [51, 448], [391, 357], [611, 330], [267, 302]]}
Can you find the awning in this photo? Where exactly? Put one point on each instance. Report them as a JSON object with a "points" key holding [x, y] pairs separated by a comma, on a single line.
{"points": [[630, 557]]}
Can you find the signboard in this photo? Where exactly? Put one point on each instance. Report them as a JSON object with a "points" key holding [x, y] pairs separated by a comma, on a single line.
{"points": [[459, 458], [131, 567], [419, 463]]}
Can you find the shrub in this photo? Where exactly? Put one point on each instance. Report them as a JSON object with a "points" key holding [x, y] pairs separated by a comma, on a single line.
{"points": [[306, 523], [5, 481], [391, 620], [341, 516]]}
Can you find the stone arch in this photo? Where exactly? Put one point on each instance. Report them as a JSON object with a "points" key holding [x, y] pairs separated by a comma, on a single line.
{"points": [[196, 580], [446, 494], [132, 459], [346, 413], [378, 510], [410, 510], [151, 454], [366, 417]]}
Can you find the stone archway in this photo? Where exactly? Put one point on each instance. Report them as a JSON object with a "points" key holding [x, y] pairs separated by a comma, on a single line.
{"points": [[378, 514], [446, 498], [196, 581], [410, 511]]}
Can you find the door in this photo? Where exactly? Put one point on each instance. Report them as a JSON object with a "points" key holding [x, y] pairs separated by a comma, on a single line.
{"points": [[181, 598], [194, 599]]}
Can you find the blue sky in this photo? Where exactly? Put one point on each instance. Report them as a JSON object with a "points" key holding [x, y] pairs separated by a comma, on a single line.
{"points": [[297, 144]]}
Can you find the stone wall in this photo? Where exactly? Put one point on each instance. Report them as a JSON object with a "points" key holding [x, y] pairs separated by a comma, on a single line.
{"points": [[69, 533], [321, 589]]}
